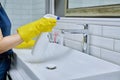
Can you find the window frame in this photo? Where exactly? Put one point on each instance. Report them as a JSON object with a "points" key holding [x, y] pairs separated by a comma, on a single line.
{"points": [[98, 11]]}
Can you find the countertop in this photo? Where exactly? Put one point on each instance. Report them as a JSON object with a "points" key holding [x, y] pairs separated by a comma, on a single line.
{"points": [[80, 66]]}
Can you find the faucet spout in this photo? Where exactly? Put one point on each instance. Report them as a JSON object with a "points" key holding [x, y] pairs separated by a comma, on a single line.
{"points": [[74, 31]]}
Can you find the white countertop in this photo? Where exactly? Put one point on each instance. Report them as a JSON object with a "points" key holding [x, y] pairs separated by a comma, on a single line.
{"points": [[78, 66]]}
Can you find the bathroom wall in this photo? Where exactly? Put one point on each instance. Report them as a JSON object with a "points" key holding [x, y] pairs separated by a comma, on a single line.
{"points": [[105, 42], [21, 12], [104, 37], [38, 9]]}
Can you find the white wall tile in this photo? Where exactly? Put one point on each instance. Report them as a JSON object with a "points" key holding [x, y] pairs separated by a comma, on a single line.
{"points": [[61, 25], [19, 6], [38, 9], [19, 1], [38, 1], [95, 29], [73, 44], [113, 32], [117, 45], [95, 51], [75, 37], [102, 42], [110, 56], [39, 5]]}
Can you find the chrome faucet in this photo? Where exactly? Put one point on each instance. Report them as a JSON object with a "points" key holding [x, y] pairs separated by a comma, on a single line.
{"points": [[85, 33]]}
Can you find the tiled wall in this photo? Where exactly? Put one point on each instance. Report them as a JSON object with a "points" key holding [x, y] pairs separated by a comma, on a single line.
{"points": [[104, 40], [21, 12], [38, 9]]}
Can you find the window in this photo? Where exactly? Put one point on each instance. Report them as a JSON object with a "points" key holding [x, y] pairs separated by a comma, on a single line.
{"points": [[92, 8]]}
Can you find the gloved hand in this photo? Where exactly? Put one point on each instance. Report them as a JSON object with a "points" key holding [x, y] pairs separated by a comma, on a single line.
{"points": [[31, 30], [24, 44]]}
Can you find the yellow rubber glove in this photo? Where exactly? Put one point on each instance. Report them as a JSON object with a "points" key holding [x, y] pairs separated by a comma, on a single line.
{"points": [[24, 44], [31, 30]]}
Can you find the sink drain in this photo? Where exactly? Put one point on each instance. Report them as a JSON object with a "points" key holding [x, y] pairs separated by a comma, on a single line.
{"points": [[51, 66]]}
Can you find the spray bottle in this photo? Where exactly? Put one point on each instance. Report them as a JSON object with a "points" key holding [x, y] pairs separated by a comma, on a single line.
{"points": [[39, 53]]}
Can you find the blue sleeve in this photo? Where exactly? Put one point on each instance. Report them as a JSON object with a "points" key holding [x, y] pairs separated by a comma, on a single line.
{"points": [[5, 23]]}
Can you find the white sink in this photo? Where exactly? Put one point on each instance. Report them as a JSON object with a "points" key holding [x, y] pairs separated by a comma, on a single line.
{"points": [[68, 64], [77, 66]]}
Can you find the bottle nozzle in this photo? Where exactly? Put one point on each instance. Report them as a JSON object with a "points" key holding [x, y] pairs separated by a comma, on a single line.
{"points": [[53, 16], [58, 18]]}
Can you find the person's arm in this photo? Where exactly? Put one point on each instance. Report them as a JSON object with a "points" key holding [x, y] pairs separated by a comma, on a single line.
{"points": [[9, 42], [26, 33]]}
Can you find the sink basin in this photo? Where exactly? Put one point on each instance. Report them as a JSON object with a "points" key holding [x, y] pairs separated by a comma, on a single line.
{"points": [[78, 66], [65, 63], [73, 65]]}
